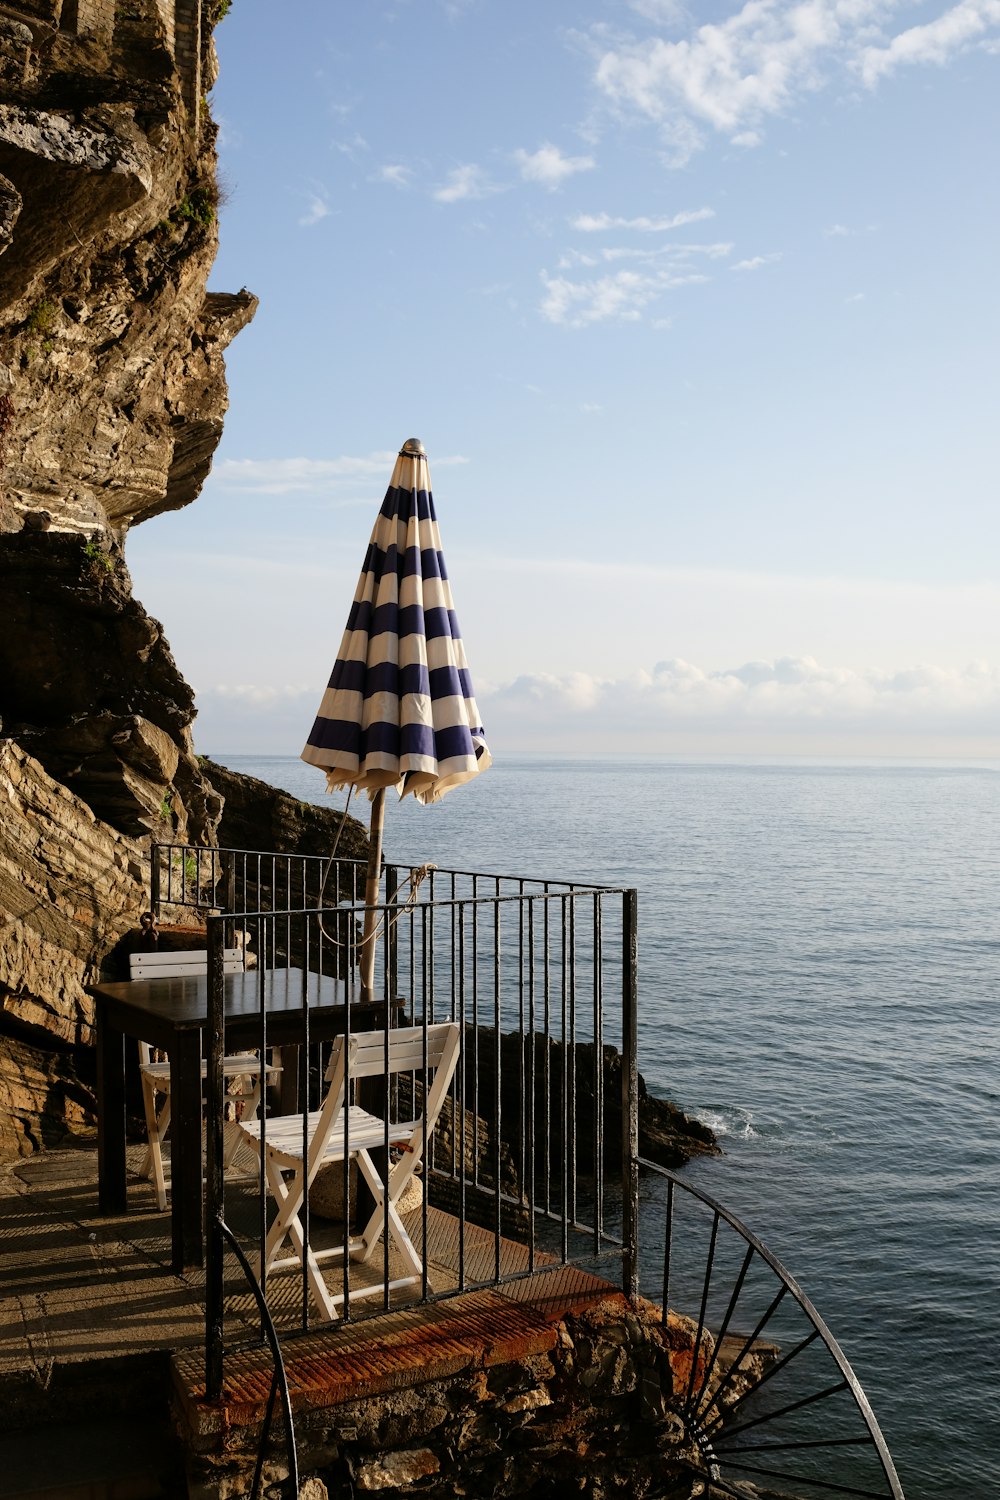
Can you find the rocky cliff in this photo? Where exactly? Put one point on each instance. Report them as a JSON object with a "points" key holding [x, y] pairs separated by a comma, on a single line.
{"points": [[112, 397]]}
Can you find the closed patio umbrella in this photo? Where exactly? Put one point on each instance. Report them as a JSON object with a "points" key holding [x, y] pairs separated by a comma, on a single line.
{"points": [[399, 710]]}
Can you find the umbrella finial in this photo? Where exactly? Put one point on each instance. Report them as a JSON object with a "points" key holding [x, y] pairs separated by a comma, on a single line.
{"points": [[413, 448]]}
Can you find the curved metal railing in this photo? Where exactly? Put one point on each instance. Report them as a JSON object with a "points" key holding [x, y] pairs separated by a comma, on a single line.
{"points": [[279, 1381], [762, 1386]]}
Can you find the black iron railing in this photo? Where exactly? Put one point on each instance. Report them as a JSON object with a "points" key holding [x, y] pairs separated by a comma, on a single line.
{"points": [[541, 987], [769, 1397], [535, 1161]]}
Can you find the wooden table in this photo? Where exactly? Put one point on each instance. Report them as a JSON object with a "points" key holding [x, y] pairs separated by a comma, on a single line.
{"points": [[171, 1014]]}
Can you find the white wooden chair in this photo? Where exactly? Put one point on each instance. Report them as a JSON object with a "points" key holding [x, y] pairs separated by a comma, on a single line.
{"points": [[431, 1056], [155, 1076]]}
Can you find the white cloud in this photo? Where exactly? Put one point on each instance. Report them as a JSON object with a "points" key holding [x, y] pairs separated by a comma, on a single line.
{"points": [[318, 209], [354, 146], [756, 261], [464, 183], [731, 76], [935, 42], [621, 297], [549, 167], [598, 223], [283, 476], [788, 692], [855, 297], [394, 174], [788, 705], [610, 254], [747, 139]]}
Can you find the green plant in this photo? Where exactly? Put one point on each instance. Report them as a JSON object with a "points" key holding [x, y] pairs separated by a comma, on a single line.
{"points": [[95, 553], [42, 318], [190, 868], [218, 11], [196, 207], [166, 811]]}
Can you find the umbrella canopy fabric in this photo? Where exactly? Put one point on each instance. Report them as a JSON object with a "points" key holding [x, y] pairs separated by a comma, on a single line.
{"points": [[399, 709]]}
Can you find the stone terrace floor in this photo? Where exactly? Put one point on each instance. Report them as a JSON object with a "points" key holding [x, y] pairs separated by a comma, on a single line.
{"points": [[91, 1313]]}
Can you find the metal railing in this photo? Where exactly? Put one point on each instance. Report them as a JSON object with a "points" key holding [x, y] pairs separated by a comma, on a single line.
{"points": [[542, 987], [535, 1162], [768, 1396]]}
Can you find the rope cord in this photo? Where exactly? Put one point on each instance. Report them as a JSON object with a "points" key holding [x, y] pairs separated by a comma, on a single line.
{"points": [[414, 880]]}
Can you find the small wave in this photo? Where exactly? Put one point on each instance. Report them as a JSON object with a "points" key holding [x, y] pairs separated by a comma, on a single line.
{"points": [[729, 1120]]}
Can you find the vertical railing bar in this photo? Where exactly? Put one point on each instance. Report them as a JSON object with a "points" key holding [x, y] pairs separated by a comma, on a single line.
{"points": [[564, 1100], [667, 1246], [547, 1053], [460, 1075], [428, 937], [215, 1090], [598, 1078], [476, 917], [498, 1107], [522, 1122], [346, 1107], [571, 1163], [386, 1162], [453, 1088], [154, 880], [261, 939], [531, 1082], [288, 907], [391, 936], [706, 1286], [630, 1095], [723, 1329], [303, 1067]]}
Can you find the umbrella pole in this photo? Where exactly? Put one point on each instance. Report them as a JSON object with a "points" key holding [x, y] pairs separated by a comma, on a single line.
{"points": [[372, 896]]}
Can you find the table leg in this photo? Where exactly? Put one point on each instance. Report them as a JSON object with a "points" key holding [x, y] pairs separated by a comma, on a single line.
{"points": [[187, 1197], [110, 1118]]}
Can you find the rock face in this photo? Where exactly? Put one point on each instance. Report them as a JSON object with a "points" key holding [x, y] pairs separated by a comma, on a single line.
{"points": [[112, 396], [90, 688], [112, 384], [582, 1402], [257, 815], [70, 887]]}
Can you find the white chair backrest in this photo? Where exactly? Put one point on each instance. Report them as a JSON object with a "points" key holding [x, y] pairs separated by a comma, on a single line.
{"points": [[408, 1049], [403, 1050], [178, 965]]}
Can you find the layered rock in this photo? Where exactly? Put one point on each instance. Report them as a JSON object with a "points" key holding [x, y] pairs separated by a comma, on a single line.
{"points": [[89, 687], [112, 397], [112, 384], [70, 888]]}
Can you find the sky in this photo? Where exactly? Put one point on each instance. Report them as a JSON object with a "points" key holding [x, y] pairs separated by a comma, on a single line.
{"points": [[695, 311]]}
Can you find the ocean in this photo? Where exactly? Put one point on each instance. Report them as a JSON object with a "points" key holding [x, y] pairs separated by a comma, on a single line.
{"points": [[819, 958]]}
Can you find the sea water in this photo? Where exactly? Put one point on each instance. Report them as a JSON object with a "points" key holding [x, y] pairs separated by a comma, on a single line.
{"points": [[819, 981]]}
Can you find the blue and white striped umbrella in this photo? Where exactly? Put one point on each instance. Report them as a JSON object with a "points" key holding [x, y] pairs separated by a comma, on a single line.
{"points": [[399, 710]]}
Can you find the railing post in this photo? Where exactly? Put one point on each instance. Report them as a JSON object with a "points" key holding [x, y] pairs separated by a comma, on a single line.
{"points": [[229, 893], [154, 878], [630, 1093], [215, 1105], [391, 948]]}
